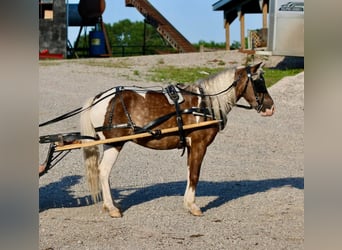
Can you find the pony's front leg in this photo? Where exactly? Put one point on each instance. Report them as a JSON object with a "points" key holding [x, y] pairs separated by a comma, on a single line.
{"points": [[195, 157], [110, 155]]}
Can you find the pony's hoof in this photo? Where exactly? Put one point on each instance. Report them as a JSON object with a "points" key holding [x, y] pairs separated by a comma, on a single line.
{"points": [[196, 212], [113, 212]]}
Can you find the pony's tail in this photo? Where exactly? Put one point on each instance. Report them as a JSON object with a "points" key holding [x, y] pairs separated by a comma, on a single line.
{"points": [[91, 154]]}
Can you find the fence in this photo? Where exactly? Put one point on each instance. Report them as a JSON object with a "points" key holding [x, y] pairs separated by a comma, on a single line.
{"points": [[125, 50]]}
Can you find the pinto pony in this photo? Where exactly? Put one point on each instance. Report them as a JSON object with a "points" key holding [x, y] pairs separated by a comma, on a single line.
{"points": [[123, 111]]}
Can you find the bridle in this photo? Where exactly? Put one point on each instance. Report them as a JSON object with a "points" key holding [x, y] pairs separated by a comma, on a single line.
{"points": [[259, 87]]}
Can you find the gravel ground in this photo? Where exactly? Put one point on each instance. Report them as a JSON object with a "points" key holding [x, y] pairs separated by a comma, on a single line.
{"points": [[251, 188]]}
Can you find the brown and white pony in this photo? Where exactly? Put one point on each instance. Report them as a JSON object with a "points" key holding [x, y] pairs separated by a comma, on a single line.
{"points": [[123, 111]]}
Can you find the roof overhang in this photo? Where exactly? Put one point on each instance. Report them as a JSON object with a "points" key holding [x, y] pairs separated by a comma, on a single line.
{"points": [[246, 6], [219, 5]]}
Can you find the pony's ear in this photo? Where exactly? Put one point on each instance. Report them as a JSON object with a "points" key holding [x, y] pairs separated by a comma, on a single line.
{"points": [[255, 67]]}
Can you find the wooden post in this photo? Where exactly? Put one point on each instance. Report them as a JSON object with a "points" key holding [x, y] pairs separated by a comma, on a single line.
{"points": [[264, 15], [242, 29], [108, 47], [227, 28]]}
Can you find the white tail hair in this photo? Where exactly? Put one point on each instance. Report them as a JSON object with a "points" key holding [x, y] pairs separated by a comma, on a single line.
{"points": [[91, 154]]}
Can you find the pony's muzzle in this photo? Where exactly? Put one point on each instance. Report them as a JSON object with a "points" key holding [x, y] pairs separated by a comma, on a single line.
{"points": [[268, 112]]}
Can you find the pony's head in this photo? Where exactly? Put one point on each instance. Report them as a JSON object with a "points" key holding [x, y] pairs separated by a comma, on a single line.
{"points": [[250, 84]]}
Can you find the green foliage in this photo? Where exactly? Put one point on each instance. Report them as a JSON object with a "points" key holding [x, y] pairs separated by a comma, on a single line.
{"points": [[211, 45], [216, 45], [130, 33], [235, 45], [129, 38]]}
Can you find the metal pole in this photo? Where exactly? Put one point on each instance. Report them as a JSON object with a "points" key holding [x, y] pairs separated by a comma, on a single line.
{"points": [[67, 27]]}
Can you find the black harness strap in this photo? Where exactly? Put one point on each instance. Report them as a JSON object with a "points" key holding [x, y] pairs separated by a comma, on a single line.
{"points": [[172, 92], [130, 121], [62, 117], [204, 112], [110, 125], [203, 104], [80, 109], [64, 138]]}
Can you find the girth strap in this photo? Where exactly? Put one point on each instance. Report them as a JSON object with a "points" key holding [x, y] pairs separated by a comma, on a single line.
{"points": [[172, 92]]}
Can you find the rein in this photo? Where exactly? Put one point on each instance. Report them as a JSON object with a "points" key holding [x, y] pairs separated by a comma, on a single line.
{"points": [[78, 110], [206, 95], [249, 79], [120, 88]]}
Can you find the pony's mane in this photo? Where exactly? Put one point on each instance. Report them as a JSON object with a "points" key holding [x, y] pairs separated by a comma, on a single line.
{"points": [[221, 104]]}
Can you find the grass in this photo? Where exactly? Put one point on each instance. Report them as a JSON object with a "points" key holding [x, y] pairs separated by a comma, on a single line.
{"points": [[106, 63], [190, 75], [183, 75], [171, 74], [274, 75]]}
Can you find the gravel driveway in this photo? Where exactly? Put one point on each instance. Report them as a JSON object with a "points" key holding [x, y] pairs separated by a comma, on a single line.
{"points": [[251, 188]]}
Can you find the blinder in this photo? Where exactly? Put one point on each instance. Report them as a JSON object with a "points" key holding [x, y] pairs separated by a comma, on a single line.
{"points": [[259, 84]]}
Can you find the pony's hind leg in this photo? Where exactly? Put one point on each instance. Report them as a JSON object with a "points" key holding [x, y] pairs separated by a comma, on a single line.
{"points": [[110, 155], [195, 157]]}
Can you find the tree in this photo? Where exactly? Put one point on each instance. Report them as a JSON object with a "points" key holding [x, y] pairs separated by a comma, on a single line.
{"points": [[134, 37], [137, 38], [131, 38], [235, 45]]}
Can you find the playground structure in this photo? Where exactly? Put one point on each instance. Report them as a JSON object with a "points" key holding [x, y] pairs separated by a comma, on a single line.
{"points": [[55, 16], [162, 25]]}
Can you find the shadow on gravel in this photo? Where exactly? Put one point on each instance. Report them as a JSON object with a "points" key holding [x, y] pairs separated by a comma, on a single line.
{"points": [[290, 62], [57, 195]]}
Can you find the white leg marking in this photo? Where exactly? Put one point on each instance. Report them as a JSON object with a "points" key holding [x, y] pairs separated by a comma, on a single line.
{"points": [[189, 196], [110, 155], [189, 199]]}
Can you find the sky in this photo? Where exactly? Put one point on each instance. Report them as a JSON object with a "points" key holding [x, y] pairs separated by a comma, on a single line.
{"points": [[195, 19]]}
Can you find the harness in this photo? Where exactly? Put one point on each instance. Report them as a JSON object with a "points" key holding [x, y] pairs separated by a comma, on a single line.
{"points": [[173, 95]]}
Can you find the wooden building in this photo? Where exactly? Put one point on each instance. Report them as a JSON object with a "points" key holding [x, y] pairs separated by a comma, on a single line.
{"points": [[233, 9], [282, 31]]}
